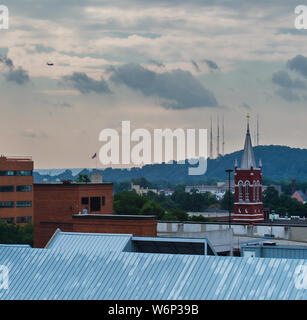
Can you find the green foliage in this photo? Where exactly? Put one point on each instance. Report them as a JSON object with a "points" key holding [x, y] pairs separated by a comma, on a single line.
{"points": [[143, 183], [199, 218], [194, 202], [83, 178], [128, 202], [283, 204], [180, 214], [225, 201], [153, 208], [14, 234]]}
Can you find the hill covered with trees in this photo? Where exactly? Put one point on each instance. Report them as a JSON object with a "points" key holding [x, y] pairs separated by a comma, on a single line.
{"points": [[280, 163]]}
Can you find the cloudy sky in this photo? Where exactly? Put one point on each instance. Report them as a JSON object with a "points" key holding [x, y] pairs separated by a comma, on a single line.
{"points": [[160, 64]]}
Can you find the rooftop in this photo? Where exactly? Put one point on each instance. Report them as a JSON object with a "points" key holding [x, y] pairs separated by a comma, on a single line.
{"points": [[101, 267]]}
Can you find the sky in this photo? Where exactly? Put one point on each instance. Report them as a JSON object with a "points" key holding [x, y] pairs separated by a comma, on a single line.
{"points": [[160, 64]]}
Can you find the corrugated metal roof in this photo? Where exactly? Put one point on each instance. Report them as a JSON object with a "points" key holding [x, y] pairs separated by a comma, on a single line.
{"points": [[72, 274], [89, 243], [288, 252]]}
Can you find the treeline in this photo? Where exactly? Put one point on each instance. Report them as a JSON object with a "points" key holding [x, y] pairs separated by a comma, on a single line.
{"points": [[174, 207], [15, 234], [284, 205]]}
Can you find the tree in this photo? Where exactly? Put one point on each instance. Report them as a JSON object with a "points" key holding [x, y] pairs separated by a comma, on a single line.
{"points": [[225, 201], [152, 208], [270, 196], [15, 234], [180, 214], [83, 178]]}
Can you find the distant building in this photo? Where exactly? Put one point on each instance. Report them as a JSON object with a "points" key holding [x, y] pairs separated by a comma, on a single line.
{"points": [[248, 205], [16, 189], [217, 190], [141, 191], [166, 192], [300, 196]]}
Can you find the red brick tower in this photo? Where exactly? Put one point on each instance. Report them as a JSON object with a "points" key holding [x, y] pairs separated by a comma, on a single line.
{"points": [[248, 186]]}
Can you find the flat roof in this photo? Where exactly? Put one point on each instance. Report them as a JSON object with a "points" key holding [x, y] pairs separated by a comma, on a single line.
{"points": [[114, 217], [61, 183]]}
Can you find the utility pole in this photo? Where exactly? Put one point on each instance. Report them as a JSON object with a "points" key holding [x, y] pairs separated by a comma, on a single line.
{"points": [[229, 171]]}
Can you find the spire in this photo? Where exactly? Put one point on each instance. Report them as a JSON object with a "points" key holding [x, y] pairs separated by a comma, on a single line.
{"points": [[248, 159], [218, 138], [257, 130], [223, 141], [211, 142]]}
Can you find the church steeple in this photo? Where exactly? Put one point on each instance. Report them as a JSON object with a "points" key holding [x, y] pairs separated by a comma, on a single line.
{"points": [[248, 159]]}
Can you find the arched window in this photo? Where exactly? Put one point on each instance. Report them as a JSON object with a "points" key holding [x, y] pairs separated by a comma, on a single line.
{"points": [[240, 190], [258, 191], [255, 191], [247, 191]]}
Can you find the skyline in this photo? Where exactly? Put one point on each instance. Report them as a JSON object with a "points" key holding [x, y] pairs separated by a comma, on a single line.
{"points": [[159, 64]]}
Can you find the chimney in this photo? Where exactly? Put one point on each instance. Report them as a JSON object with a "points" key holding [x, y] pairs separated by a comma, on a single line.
{"points": [[96, 177]]}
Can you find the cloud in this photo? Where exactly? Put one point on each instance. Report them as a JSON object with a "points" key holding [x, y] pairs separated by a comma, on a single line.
{"points": [[287, 94], [7, 62], [196, 66], [30, 133], [85, 84], [178, 89], [211, 64], [157, 63], [298, 64], [41, 48], [282, 79], [246, 106], [19, 75]]}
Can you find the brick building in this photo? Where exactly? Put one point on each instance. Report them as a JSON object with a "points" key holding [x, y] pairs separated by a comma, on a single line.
{"points": [[61, 205], [16, 189], [248, 187], [56, 203]]}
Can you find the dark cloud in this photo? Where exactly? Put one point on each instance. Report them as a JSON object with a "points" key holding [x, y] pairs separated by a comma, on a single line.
{"points": [[7, 62], [19, 75], [288, 94], [211, 64], [179, 88], [298, 64], [157, 63], [195, 65], [282, 79], [42, 49], [85, 84]]}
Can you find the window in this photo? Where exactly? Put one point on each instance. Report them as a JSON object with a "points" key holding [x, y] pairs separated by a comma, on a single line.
{"points": [[258, 190], [246, 191], [23, 173], [95, 203], [23, 219], [23, 204], [23, 188], [6, 188], [8, 220], [255, 191], [6, 204], [16, 173], [6, 173], [84, 200], [103, 201], [240, 191]]}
